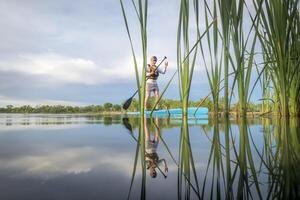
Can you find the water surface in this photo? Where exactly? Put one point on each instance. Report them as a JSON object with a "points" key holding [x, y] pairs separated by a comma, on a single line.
{"points": [[45, 156]]}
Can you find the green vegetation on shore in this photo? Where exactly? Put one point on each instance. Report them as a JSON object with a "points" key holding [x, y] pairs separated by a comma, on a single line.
{"points": [[109, 107], [106, 107]]}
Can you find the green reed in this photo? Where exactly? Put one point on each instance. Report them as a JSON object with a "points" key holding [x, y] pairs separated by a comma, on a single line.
{"points": [[213, 75], [224, 7], [185, 68], [279, 36], [141, 10], [243, 57], [237, 51]]}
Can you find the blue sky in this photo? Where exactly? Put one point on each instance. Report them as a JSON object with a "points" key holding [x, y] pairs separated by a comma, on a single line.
{"points": [[78, 53]]}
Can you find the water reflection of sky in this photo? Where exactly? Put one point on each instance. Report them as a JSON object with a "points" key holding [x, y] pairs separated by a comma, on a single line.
{"points": [[73, 161], [91, 159], [87, 157]]}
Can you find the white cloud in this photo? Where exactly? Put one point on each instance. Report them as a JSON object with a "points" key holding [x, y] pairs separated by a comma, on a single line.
{"points": [[68, 161], [18, 126], [79, 47], [62, 69], [4, 100]]}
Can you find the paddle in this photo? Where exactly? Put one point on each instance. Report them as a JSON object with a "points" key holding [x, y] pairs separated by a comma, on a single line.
{"points": [[128, 101], [128, 126]]}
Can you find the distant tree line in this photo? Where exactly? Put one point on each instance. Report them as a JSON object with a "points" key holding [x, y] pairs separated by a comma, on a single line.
{"points": [[106, 107], [109, 107]]}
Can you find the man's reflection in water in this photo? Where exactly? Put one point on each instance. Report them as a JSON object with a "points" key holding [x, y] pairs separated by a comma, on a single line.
{"points": [[151, 157]]}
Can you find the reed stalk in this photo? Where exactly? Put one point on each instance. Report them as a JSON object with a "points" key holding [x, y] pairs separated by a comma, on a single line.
{"points": [[234, 53], [214, 74], [280, 21], [185, 68], [224, 8], [141, 10]]}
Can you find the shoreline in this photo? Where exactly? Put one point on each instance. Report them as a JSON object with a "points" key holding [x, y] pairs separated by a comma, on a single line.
{"points": [[210, 114]]}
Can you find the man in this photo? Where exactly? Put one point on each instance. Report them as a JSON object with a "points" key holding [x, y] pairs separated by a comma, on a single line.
{"points": [[152, 73]]}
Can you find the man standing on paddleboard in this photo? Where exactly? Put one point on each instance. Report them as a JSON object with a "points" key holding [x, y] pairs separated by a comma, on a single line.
{"points": [[152, 73]]}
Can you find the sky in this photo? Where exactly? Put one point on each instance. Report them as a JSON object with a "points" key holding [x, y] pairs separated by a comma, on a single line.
{"points": [[78, 53]]}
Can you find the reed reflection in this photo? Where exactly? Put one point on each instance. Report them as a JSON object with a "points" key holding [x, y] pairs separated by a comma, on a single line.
{"points": [[284, 168], [212, 188], [247, 159], [187, 176]]}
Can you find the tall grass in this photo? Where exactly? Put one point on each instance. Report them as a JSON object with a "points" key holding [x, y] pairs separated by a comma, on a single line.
{"points": [[243, 56], [231, 46], [266, 91], [185, 68], [276, 25], [230, 15], [214, 74], [225, 7], [141, 10], [280, 22]]}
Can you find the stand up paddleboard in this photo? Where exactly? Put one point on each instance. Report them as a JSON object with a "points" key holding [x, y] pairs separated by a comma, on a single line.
{"points": [[201, 112]]}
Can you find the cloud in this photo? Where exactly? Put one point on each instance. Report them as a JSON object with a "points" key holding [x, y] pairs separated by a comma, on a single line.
{"points": [[78, 51], [63, 69], [4, 100], [68, 161], [21, 124]]}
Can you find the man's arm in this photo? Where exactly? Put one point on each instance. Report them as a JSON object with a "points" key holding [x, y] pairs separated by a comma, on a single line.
{"points": [[165, 163], [163, 71]]}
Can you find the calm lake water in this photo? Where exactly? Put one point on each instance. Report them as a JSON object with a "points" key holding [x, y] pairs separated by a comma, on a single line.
{"points": [[112, 157]]}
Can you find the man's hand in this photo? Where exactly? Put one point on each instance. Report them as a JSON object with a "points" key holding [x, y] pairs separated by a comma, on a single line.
{"points": [[166, 170], [166, 64]]}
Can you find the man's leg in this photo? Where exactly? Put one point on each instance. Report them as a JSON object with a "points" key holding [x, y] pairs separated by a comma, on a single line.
{"points": [[156, 94], [147, 95]]}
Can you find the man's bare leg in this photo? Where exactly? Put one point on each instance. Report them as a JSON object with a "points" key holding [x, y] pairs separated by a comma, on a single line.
{"points": [[156, 94], [147, 95]]}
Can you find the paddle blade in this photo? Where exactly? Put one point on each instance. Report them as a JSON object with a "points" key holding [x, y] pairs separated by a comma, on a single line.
{"points": [[127, 124], [127, 103]]}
